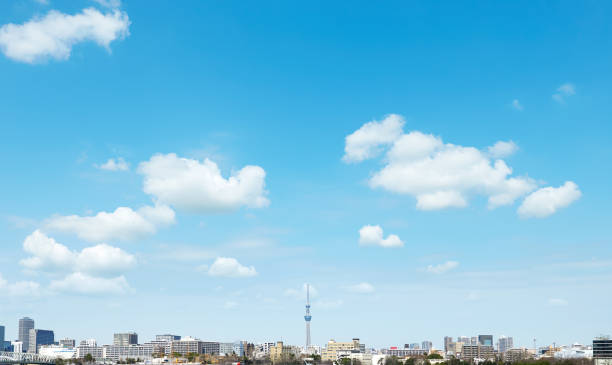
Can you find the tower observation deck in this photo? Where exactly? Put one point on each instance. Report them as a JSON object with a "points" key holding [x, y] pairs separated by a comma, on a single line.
{"points": [[307, 317]]}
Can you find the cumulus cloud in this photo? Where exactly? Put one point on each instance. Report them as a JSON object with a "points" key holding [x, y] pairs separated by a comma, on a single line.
{"points": [[113, 4], [361, 288], [123, 224], [517, 105], [563, 92], [199, 187], [54, 35], [442, 268], [49, 255], [546, 201], [373, 236], [365, 142], [502, 149], [231, 268], [443, 175], [113, 164], [80, 283]]}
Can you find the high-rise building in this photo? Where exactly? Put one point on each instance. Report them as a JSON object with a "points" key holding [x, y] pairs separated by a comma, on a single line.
{"points": [[2, 346], [485, 340], [39, 338], [471, 352], [447, 341], [602, 351], [474, 341], [25, 325], [464, 340], [307, 317], [427, 345], [504, 344], [125, 339]]}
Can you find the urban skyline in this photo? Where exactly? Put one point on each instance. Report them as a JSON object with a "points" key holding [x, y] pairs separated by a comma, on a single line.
{"points": [[409, 170]]}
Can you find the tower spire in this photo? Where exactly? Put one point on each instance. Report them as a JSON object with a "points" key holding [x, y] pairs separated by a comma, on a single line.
{"points": [[307, 317]]}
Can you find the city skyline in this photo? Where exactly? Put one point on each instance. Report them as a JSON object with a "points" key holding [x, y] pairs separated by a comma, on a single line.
{"points": [[429, 169]]}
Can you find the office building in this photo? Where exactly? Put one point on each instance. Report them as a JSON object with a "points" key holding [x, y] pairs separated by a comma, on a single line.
{"points": [[116, 353], [481, 352], [329, 353], [39, 338], [68, 343], [464, 340], [355, 357], [427, 345], [125, 339], [2, 346], [96, 352], [447, 341], [405, 352], [474, 341], [602, 351], [167, 337], [485, 340], [514, 355], [17, 346], [504, 344], [25, 325]]}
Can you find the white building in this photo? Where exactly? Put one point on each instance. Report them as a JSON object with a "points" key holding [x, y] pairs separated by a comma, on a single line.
{"points": [[57, 352], [576, 351], [17, 346]]}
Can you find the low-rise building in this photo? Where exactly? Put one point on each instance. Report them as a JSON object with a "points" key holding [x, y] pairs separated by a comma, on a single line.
{"points": [[477, 352], [329, 353], [281, 352], [58, 352], [517, 354]]}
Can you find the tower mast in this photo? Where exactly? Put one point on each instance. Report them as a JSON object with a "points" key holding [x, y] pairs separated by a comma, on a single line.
{"points": [[307, 317]]}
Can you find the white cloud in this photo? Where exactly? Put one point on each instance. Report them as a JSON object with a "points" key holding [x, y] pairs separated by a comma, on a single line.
{"points": [[20, 288], [517, 105], [546, 201], [103, 259], [123, 224], [557, 302], [502, 149], [373, 236], [49, 255], [54, 35], [442, 175], [365, 142], [361, 288], [81, 283], [300, 294], [198, 187], [563, 92], [112, 164], [231, 268], [442, 268], [113, 4]]}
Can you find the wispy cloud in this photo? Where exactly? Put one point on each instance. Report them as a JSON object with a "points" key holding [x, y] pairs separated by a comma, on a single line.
{"points": [[517, 105], [563, 92], [442, 268]]}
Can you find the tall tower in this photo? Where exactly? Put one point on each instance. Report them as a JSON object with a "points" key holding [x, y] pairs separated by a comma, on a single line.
{"points": [[25, 325], [307, 317]]}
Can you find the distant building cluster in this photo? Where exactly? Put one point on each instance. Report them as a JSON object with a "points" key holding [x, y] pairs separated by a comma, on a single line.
{"points": [[169, 347]]}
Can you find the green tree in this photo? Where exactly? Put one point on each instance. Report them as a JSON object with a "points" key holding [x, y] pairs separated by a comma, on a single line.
{"points": [[88, 358], [435, 356]]}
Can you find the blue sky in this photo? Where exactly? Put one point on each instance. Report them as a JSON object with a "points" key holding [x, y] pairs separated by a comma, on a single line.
{"points": [[279, 87]]}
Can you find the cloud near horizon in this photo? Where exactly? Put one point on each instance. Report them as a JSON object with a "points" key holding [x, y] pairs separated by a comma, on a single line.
{"points": [[53, 35], [229, 267]]}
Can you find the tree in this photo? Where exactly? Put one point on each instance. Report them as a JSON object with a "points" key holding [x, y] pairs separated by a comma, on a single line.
{"points": [[435, 356], [88, 358]]}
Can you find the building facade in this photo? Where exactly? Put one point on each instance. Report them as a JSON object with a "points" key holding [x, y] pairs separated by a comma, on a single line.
{"points": [[504, 344], [330, 352], [447, 341], [602, 351], [167, 337], [39, 338], [427, 345], [485, 340], [125, 339], [472, 352], [25, 325]]}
